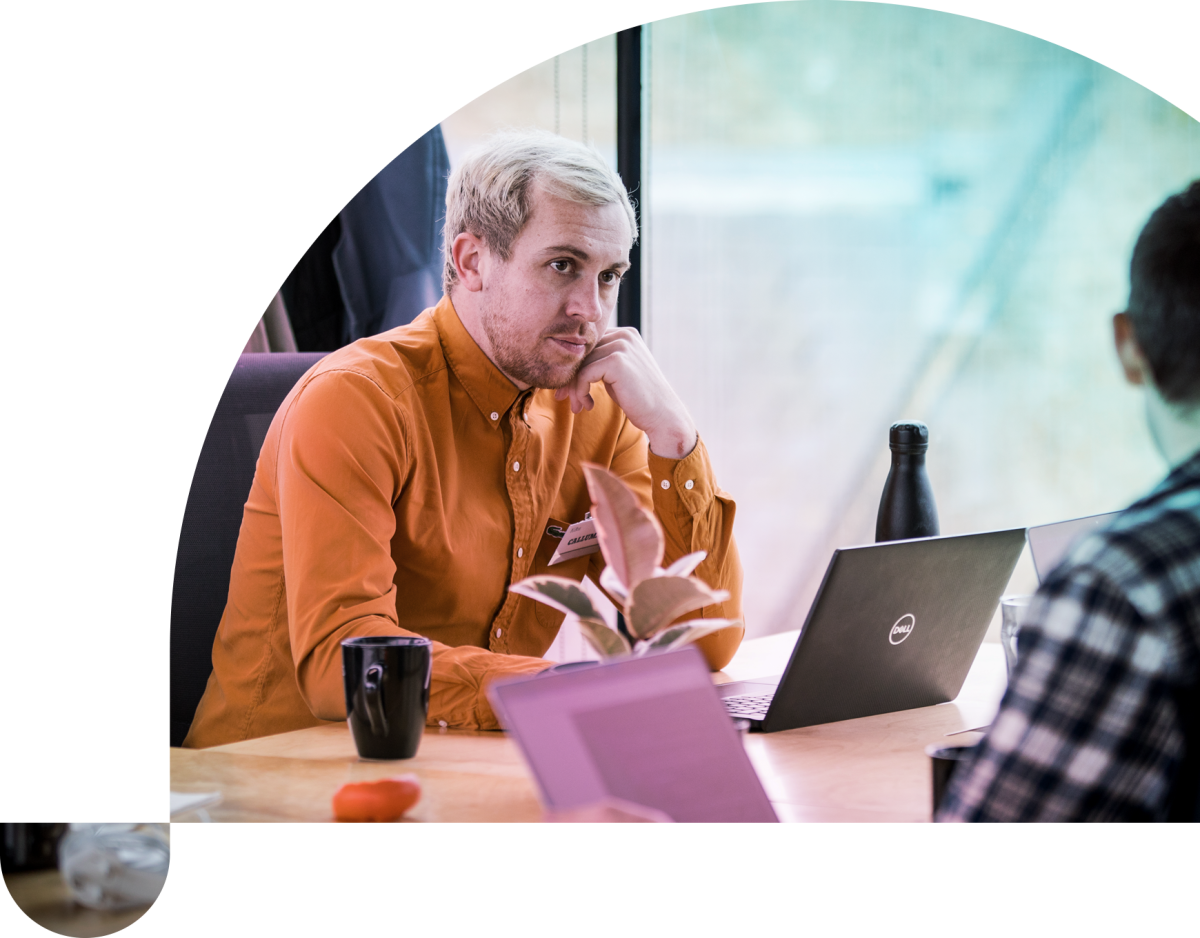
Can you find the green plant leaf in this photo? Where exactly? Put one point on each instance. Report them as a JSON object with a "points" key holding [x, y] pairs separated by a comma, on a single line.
{"points": [[559, 592], [609, 643], [657, 602], [686, 564], [679, 635], [631, 538]]}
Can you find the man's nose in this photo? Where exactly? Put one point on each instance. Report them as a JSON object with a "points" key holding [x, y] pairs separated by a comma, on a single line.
{"points": [[586, 303]]}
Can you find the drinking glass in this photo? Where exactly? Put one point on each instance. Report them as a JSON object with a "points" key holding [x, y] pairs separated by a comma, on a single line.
{"points": [[115, 866]]}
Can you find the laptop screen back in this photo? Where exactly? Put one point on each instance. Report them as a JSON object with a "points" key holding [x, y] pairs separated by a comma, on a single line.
{"points": [[895, 626], [1049, 543]]}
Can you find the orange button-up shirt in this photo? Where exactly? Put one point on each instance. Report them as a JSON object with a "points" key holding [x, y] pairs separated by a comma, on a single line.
{"points": [[403, 485]]}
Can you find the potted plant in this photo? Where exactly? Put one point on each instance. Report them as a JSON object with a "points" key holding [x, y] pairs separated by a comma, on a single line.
{"points": [[650, 597]]}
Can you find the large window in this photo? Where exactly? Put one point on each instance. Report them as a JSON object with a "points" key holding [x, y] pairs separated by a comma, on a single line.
{"points": [[861, 213], [857, 213]]}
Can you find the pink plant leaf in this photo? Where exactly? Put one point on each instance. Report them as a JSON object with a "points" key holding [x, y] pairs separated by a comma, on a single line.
{"points": [[631, 538], [559, 592], [656, 603], [686, 564], [609, 643], [685, 632]]}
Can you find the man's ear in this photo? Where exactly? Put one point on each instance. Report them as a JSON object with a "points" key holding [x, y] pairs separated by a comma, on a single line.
{"points": [[1133, 362], [467, 253]]}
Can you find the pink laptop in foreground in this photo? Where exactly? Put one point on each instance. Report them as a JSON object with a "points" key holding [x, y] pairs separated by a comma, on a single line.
{"points": [[649, 730]]}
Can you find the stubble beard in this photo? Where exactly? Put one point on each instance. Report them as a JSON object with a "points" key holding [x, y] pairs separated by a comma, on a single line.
{"points": [[513, 354]]}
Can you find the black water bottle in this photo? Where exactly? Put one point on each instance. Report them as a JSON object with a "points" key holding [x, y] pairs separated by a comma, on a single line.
{"points": [[907, 509]]}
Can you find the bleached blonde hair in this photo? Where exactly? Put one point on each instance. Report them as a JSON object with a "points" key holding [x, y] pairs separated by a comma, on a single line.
{"points": [[489, 194]]}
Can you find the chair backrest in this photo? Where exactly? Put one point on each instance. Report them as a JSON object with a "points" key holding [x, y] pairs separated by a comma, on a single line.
{"points": [[213, 517]]}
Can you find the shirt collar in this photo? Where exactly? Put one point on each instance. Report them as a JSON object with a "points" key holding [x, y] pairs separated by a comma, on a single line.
{"points": [[486, 385]]}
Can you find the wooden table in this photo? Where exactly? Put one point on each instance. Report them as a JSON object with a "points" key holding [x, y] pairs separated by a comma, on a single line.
{"points": [[870, 769], [45, 898]]}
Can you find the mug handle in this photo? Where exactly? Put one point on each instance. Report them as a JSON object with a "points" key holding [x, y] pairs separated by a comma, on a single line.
{"points": [[371, 692]]}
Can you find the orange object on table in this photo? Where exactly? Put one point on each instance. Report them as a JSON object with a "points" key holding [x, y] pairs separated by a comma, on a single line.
{"points": [[384, 799]]}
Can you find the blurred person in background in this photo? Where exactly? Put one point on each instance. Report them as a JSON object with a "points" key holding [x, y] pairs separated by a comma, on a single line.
{"points": [[376, 266], [1101, 719], [377, 263]]}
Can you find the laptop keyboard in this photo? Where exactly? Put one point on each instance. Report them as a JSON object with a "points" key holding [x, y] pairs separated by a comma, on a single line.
{"points": [[748, 706]]}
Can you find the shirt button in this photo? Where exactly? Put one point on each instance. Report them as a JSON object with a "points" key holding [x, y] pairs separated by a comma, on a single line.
{"points": [[498, 631], [520, 551], [495, 416], [688, 484], [666, 484], [516, 467]]}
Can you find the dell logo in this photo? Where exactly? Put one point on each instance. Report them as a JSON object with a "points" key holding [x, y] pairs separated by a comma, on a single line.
{"points": [[902, 629]]}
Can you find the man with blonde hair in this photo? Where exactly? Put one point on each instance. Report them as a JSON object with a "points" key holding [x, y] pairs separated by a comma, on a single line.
{"points": [[411, 477]]}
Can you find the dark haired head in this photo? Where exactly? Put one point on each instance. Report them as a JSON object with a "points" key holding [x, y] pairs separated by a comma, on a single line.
{"points": [[1164, 295]]}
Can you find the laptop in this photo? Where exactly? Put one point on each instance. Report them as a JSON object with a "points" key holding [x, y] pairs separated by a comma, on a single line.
{"points": [[894, 626], [648, 730], [1049, 543]]}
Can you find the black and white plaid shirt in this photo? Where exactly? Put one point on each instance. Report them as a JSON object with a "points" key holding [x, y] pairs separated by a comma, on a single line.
{"points": [[1103, 704]]}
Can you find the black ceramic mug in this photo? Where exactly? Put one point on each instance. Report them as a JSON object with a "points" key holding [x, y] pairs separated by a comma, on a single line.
{"points": [[387, 693]]}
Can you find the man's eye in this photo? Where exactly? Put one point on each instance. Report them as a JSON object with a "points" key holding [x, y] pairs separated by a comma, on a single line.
{"points": [[561, 266], [610, 277]]}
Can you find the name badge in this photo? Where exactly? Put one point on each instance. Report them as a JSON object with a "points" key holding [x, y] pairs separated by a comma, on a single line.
{"points": [[579, 540]]}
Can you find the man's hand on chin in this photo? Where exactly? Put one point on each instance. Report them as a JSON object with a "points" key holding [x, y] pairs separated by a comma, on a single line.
{"points": [[634, 381]]}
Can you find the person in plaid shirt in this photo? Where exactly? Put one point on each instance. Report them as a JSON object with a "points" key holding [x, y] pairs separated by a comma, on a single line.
{"points": [[1101, 719]]}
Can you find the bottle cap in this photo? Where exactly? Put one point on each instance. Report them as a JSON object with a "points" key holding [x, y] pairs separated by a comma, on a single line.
{"points": [[908, 436]]}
